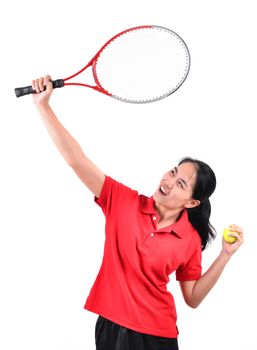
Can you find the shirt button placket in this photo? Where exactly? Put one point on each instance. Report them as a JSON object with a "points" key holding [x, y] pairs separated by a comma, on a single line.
{"points": [[154, 220]]}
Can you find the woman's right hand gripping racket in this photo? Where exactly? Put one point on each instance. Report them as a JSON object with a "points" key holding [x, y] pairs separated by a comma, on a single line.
{"points": [[139, 65]]}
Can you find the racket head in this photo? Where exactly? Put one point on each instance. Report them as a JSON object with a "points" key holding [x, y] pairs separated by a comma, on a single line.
{"points": [[142, 64]]}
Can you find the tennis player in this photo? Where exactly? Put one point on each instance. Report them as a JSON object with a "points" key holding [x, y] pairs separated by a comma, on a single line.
{"points": [[146, 240]]}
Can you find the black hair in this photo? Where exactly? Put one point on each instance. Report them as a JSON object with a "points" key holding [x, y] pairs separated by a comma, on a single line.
{"points": [[204, 187]]}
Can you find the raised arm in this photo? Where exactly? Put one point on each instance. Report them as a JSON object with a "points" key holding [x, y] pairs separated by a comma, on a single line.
{"points": [[69, 148]]}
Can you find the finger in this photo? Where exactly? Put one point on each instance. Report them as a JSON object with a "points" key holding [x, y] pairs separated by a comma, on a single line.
{"points": [[33, 85], [48, 83], [235, 235], [36, 85], [236, 228], [239, 239], [41, 84], [47, 79]]}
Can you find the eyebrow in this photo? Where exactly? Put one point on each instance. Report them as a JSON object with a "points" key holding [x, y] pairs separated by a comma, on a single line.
{"points": [[182, 180]]}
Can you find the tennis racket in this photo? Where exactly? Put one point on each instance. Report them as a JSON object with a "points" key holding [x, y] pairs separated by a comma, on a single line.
{"points": [[139, 65]]}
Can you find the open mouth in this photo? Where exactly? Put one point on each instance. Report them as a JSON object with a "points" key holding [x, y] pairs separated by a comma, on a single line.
{"points": [[163, 190]]}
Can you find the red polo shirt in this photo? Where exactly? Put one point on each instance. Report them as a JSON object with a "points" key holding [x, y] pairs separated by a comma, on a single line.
{"points": [[130, 288]]}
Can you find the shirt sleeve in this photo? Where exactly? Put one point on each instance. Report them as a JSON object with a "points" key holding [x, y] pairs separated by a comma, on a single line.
{"points": [[112, 194], [192, 269]]}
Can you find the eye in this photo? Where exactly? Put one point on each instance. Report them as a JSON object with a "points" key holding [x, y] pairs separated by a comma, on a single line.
{"points": [[180, 185], [172, 172]]}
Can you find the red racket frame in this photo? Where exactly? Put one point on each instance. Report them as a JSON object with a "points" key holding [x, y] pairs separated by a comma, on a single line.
{"points": [[93, 61]]}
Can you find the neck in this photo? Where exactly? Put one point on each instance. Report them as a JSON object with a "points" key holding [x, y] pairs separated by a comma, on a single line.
{"points": [[167, 215]]}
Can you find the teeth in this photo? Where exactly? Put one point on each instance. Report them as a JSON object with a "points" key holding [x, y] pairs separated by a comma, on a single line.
{"points": [[163, 190]]}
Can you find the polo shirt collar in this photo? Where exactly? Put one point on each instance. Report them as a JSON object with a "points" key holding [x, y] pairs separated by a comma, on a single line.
{"points": [[180, 227]]}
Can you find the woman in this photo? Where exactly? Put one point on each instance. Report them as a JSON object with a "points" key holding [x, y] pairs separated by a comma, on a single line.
{"points": [[146, 240]]}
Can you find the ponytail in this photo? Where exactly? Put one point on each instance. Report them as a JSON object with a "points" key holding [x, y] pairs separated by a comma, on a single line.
{"points": [[205, 185], [199, 217]]}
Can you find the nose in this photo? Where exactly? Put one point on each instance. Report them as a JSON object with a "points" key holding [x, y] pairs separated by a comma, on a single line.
{"points": [[169, 183]]}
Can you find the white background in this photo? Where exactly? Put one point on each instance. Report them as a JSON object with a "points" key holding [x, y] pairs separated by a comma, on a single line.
{"points": [[52, 234]]}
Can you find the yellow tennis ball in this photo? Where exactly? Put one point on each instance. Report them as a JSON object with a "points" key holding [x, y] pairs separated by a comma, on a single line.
{"points": [[226, 236]]}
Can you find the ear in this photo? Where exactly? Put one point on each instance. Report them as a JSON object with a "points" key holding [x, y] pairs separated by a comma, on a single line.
{"points": [[192, 203]]}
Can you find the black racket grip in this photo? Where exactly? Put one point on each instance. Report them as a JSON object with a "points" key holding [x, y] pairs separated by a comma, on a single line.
{"points": [[26, 90]]}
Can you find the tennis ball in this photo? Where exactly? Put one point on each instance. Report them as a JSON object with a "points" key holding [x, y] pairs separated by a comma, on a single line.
{"points": [[226, 236]]}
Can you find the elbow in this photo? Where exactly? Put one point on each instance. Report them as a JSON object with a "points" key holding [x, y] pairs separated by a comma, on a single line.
{"points": [[193, 306], [73, 161], [193, 303], [74, 158]]}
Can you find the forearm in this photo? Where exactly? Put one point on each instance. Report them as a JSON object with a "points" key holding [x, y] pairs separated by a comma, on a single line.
{"points": [[66, 144], [207, 281]]}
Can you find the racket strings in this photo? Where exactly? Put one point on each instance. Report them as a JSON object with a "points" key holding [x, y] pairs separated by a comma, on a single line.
{"points": [[142, 65], [136, 68]]}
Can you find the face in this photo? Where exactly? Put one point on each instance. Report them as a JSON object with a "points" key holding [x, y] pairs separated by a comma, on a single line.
{"points": [[176, 188]]}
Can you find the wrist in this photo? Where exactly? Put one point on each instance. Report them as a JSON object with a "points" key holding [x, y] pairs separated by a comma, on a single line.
{"points": [[42, 105], [224, 255]]}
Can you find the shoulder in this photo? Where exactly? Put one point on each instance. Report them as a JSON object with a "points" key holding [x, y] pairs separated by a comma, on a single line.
{"points": [[114, 191]]}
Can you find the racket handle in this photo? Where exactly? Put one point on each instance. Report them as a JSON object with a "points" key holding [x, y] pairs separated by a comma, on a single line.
{"points": [[26, 90]]}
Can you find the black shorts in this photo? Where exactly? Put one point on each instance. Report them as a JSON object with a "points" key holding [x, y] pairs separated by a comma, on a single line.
{"points": [[111, 336]]}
